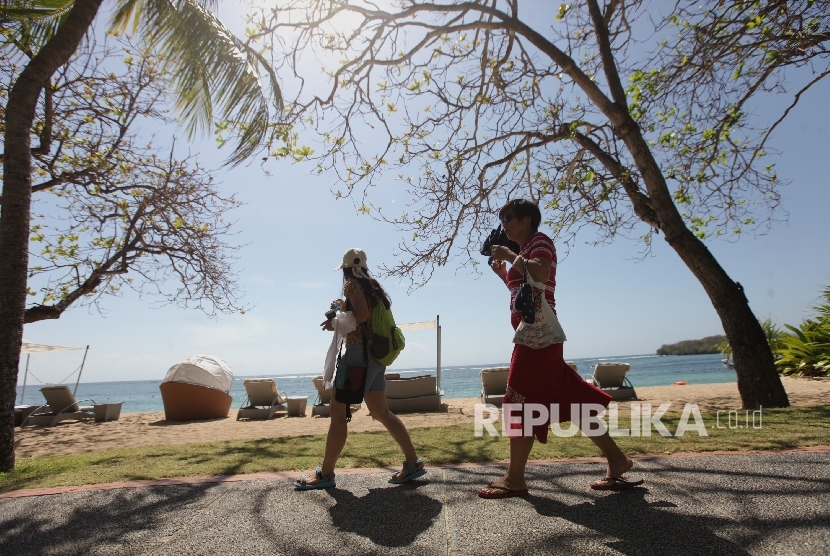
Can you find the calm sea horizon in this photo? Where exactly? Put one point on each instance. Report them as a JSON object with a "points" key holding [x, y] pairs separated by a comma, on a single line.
{"points": [[456, 381]]}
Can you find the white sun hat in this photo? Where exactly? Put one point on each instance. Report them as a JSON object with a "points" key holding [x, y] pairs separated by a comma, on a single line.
{"points": [[354, 258]]}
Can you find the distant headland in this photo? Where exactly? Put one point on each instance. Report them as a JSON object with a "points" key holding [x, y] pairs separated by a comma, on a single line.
{"points": [[709, 344]]}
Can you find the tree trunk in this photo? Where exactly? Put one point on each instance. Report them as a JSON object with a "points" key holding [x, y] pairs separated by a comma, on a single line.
{"points": [[17, 196], [758, 381]]}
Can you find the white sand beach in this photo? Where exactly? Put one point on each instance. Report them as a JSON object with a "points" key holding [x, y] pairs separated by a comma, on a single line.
{"points": [[150, 429]]}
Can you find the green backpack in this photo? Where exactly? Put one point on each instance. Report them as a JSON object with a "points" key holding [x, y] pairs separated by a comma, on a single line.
{"points": [[387, 339]]}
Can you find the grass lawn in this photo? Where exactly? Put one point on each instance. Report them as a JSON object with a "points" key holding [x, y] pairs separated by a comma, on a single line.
{"points": [[781, 429]]}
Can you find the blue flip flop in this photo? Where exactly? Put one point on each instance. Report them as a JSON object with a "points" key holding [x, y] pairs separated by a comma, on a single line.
{"points": [[325, 481], [412, 472]]}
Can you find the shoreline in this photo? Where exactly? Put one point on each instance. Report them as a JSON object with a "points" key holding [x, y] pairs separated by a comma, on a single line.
{"points": [[150, 429], [460, 400]]}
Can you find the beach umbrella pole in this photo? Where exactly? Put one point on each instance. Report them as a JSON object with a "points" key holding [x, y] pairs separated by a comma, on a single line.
{"points": [[80, 371], [25, 376], [438, 344]]}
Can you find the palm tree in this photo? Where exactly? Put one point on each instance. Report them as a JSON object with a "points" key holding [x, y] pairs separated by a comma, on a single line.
{"points": [[216, 73]]}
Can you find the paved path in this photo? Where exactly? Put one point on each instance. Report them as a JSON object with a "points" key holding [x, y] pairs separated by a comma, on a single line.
{"points": [[769, 503]]}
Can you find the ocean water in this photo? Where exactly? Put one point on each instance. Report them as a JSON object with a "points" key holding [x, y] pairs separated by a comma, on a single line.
{"points": [[456, 381]]}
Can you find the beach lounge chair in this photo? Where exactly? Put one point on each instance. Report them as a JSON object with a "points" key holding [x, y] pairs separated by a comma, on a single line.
{"points": [[321, 404], [493, 385], [323, 395], [610, 378], [263, 399], [62, 406], [415, 394]]}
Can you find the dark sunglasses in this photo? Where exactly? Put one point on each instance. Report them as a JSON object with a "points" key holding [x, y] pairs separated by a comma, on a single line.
{"points": [[506, 217]]}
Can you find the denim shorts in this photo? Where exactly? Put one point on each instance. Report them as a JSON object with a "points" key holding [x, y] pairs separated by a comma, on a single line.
{"points": [[375, 381]]}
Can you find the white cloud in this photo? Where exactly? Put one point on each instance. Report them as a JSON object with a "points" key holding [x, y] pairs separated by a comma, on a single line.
{"points": [[244, 329], [261, 281]]}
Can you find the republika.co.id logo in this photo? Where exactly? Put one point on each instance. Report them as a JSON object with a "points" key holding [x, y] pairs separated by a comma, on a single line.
{"points": [[520, 419]]}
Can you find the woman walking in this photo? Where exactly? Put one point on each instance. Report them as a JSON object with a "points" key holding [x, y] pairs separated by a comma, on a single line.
{"points": [[541, 376], [362, 292]]}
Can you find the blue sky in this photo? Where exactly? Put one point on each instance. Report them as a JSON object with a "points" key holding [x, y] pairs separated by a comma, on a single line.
{"points": [[610, 302]]}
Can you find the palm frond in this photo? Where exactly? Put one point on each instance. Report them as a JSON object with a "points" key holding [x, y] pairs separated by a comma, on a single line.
{"points": [[29, 25], [215, 74]]}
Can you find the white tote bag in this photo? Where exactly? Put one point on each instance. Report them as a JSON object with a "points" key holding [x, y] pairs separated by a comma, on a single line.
{"points": [[545, 330]]}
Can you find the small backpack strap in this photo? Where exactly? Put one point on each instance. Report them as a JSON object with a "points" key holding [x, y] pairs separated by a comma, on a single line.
{"points": [[364, 328]]}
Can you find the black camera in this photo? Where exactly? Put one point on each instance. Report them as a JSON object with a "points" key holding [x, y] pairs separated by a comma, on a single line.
{"points": [[332, 312], [497, 237]]}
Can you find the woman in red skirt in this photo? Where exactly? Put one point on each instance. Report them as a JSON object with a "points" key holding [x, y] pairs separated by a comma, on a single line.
{"points": [[541, 376]]}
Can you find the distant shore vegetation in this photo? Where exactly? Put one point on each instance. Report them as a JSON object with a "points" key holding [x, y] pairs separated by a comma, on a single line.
{"points": [[709, 344]]}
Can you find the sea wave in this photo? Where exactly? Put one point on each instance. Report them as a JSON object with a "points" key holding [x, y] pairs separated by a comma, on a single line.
{"points": [[620, 357]]}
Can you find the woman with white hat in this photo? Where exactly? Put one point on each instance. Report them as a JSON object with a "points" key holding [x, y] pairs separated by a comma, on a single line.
{"points": [[362, 292]]}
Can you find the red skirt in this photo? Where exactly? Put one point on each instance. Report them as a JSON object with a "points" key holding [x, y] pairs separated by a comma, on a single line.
{"points": [[541, 376]]}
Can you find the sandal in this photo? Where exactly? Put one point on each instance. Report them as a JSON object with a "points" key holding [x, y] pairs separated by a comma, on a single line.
{"points": [[494, 491], [323, 481], [617, 483], [412, 472]]}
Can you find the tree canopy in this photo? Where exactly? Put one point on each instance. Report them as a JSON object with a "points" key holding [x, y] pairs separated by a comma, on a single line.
{"points": [[216, 77], [469, 103], [121, 211]]}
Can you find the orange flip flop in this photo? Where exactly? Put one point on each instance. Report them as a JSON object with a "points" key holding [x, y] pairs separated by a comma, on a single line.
{"points": [[501, 492], [620, 483]]}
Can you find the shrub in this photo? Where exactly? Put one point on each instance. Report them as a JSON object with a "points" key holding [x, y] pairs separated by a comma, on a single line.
{"points": [[806, 352]]}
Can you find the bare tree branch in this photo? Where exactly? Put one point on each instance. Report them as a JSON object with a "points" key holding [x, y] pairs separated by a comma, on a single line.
{"points": [[127, 216]]}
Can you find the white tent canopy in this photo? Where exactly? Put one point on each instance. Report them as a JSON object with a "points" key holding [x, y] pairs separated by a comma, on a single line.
{"points": [[423, 325], [29, 347], [202, 370]]}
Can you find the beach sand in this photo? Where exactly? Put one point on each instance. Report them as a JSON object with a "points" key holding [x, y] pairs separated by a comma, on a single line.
{"points": [[150, 429]]}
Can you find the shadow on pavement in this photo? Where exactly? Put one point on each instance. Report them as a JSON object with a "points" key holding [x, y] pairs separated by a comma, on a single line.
{"points": [[390, 517], [91, 529], [641, 525]]}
